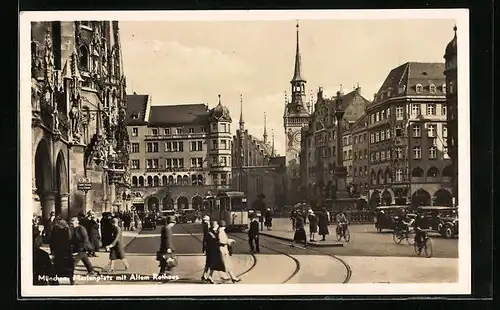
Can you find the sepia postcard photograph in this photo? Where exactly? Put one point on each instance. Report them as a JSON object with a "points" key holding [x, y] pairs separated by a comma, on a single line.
{"points": [[232, 153]]}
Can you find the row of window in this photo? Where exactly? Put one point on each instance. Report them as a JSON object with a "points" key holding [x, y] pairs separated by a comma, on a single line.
{"points": [[398, 153], [176, 163], [170, 131], [431, 109], [382, 135], [419, 88], [178, 146], [196, 180]]}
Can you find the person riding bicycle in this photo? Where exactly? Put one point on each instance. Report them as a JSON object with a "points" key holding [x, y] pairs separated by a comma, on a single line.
{"points": [[341, 222], [418, 223]]}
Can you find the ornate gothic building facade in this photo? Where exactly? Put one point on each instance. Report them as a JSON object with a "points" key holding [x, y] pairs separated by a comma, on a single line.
{"points": [[79, 136]]}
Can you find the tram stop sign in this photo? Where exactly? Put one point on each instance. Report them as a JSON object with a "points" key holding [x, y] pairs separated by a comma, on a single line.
{"points": [[84, 184]]}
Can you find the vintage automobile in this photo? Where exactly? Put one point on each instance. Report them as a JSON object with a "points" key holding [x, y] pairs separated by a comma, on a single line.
{"points": [[440, 219], [149, 223], [162, 219], [187, 216], [386, 217]]}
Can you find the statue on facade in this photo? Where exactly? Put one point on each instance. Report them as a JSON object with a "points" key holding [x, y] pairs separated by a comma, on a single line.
{"points": [[75, 116], [55, 118]]}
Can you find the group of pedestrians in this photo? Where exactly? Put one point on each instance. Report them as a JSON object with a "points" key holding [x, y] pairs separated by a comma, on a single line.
{"points": [[72, 242], [318, 224], [217, 248]]}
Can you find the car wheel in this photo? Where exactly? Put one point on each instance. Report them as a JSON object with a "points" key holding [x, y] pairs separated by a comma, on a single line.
{"points": [[448, 233]]}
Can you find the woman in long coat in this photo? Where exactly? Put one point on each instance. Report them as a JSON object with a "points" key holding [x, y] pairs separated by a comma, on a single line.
{"points": [[116, 250], [313, 226], [94, 235], [219, 253], [323, 224], [300, 232], [212, 251]]}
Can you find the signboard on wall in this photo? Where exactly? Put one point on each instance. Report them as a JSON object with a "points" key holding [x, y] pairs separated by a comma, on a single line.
{"points": [[84, 184]]}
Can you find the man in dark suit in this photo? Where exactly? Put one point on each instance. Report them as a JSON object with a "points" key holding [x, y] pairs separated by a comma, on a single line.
{"points": [[166, 245], [80, 245], [253, 235]]}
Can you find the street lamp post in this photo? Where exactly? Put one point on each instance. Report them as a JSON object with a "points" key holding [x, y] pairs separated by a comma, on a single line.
{"points": [[342, 198]]}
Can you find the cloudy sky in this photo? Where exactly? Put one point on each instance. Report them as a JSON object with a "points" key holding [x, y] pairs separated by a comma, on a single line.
{"points": [[194, 61]]}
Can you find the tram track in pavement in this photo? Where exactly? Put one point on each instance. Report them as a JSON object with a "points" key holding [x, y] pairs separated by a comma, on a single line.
{"points": [[254, 258], [347, 267], [295, 260]]}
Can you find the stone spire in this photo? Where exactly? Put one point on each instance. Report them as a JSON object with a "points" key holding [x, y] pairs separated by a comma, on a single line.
{"points": [[297, 73], [242, 123], [272, 146], [265, 128]]}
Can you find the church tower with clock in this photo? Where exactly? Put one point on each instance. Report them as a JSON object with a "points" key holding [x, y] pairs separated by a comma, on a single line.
{"points": [[296, 113]]}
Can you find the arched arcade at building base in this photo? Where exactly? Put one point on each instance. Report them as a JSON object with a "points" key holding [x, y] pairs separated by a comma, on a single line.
{"points": [[421, 194], [56, 169], [173, 197]]}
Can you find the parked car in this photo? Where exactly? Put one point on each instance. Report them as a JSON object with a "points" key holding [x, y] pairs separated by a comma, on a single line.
{"points": [[386, 217], [187, 215], [149, 223], [441, 219]]}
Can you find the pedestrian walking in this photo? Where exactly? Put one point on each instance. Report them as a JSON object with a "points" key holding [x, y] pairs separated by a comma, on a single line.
{"points": [[116, 250], [313, 226], [206, 228], [223, 263], [106, 229], [268, 219], [94, 236], [293, 218], [48, 225], [166, 254], [300, 232], [211, 248], [42, 264], [253, 236], [80, 244], [323, 224], [61, 251]]}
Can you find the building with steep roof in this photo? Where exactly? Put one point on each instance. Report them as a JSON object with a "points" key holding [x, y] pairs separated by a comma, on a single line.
{"points": [[257, 169], [79, 138], [318, 145], [451, 78], [407, 130], [178, 152]]}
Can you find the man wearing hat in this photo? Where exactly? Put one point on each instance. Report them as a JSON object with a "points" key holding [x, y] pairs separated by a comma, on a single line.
{"points": [[48, 226], [167, 246], [253, 235]]}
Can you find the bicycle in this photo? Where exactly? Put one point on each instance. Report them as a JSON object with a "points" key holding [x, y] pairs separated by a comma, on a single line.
{"points": [[400, 234], [343, 233], [427, 245]]}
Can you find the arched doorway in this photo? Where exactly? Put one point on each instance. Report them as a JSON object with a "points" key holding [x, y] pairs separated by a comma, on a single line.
{"points": [[197, 202], [44, 203], [164, 181], [421, 198], [134, 181], [433, 172], [375, 199], [182, 203], [153, 204], [386, 198], [167, 202], [141, 181], [61, 203], [443, 197]]}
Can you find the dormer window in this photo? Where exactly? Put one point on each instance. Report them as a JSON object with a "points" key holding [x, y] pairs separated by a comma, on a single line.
{"points": [[419, 88], [402, 88], [432, 88]]}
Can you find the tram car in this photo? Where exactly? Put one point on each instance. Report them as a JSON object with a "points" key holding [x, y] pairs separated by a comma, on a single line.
{"points": [[231, 207]]}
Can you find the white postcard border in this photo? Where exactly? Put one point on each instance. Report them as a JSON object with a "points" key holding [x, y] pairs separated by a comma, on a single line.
{"points": [[463, 286]]}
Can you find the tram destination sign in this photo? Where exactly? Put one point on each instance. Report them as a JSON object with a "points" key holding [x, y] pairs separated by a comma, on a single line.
{"points": [[84, 184]]}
